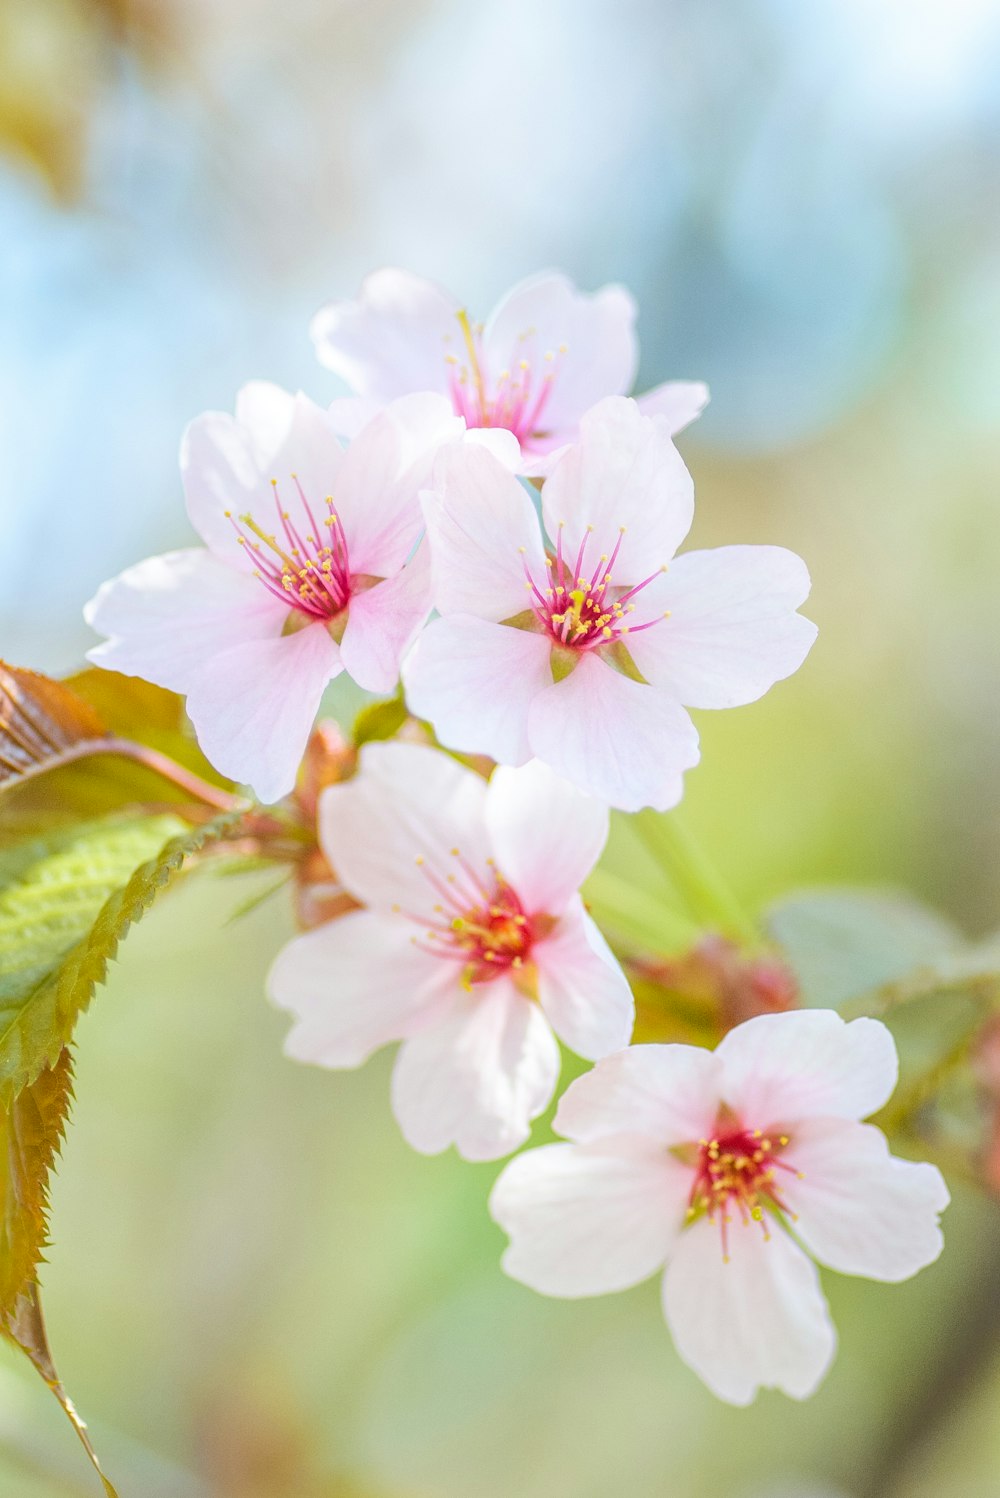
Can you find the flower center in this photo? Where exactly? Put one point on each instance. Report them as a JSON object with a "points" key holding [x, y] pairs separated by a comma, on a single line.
{"points": [[306, 568], [736, 1175], [515, 400], [580, 608], [478, 922]]}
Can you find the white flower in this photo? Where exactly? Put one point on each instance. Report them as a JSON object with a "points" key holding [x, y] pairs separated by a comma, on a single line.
{"points": [[731, 1168], [546, 353], [473, 948]]}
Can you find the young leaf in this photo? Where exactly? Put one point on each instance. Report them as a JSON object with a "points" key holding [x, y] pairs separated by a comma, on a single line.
{"points": [[42, 724], [31, 1132], [61, 920]]}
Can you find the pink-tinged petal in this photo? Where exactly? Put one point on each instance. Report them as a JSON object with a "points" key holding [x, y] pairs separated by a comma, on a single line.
{"points": [[164, 615], [383, 622], [807, 1064], [624, 472], [584, 343], [502, 444], [477, 1079], [623, 741], [588, 1220], [757, 1322], [732, 630], [407, 802], [483, 533], [858, 1209], [354, 985], [475, 682], [227, 466], [583, 992], [536, 463], [383, 471], [351, 414], [679, 402], [392, 339], [547, 835], [668, 1093], [253, 706]]}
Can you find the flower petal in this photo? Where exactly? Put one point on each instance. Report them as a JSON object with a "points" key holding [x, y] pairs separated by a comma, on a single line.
{"points": [[669, 1093], [732, 630], [475, 682], [546, 834], [583, 992], [165, 614], [756, 1321], [624, 474], [383, 471], [807, 1064], [585, 342], [679, 402], [477, 1079], [859, 1209], [253, 706], [356, 984], [407, 802], [587, 1220], [483, 532], [623, 741], [383, 622], [390, 340]]}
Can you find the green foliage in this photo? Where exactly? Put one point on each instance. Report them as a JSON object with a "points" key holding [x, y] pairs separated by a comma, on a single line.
{"points": [[379, 720], [31, 1132]]}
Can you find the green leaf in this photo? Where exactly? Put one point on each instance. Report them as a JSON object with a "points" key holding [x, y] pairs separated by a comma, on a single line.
{"points": [[379, 720], [843, 944], [31, 1131], [637, 917], [72, 898]]}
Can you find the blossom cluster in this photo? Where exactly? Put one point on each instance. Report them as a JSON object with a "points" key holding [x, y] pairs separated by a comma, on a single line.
{"points": [[490, 524]]}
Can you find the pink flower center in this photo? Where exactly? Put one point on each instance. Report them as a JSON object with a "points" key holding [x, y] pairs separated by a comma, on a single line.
{"points": [[478, 922], [581, 608], [736, 1175], [514, 400], [307, 567]]}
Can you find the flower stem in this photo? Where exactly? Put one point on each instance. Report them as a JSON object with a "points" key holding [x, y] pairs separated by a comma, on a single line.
{"points": [[708, 895]]}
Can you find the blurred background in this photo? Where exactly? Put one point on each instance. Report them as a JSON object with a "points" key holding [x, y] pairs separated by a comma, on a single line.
{"points": [[256, 1290]]}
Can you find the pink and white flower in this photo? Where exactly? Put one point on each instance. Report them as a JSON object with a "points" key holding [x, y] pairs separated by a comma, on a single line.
{"points": [[308, 570], [583, 646], [472, 949], [545, 355], [735, 1169]]}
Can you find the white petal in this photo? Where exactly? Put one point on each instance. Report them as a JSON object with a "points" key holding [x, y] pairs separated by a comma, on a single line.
{"points": [[382, 624], [475, 682], [483, 532], [624, 472], [623, 741], [807, 1064], [584, 1220], [757, 1322], [732, 630], [392, 339], [669, 1093], [164, 615], [356, 984], [679, 402], [583, 992], [477, 1079], [351, 413], [384, 469], [589, 338], [407, 802], [860, 1210], [546, 834], [227, 466], [253, 706]]}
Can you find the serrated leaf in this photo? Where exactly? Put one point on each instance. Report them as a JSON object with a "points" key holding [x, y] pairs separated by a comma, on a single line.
{"points": [[31, 1132], [42, 724], [61, 921], [844, 944]]}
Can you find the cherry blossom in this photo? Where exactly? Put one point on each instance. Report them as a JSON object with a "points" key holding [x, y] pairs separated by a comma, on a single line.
{"points": [[472, 948], [308, 570], [735, 1169], [582, 647], [546, 353]]}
